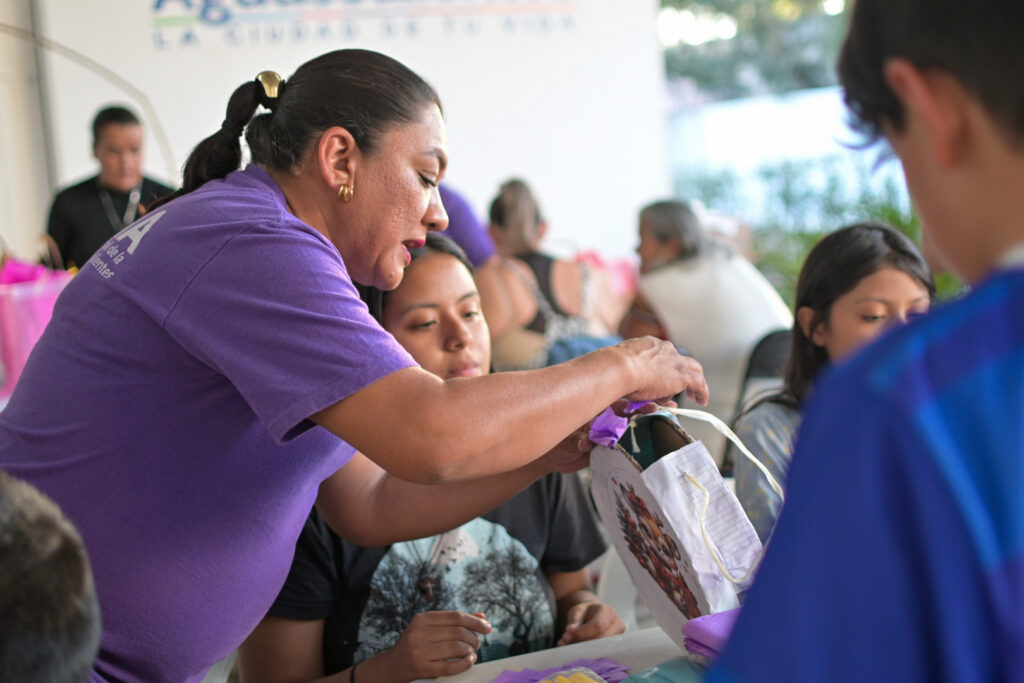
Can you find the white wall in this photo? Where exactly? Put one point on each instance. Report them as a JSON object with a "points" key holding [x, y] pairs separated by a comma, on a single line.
{"points": [[565, 93], [24, 182]]}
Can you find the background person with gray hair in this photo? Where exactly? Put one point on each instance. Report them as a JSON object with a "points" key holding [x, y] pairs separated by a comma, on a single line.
{"points": [[705, 298]]}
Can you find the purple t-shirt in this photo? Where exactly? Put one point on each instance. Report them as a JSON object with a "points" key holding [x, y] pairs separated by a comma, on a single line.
{"points": [[165, 410]]}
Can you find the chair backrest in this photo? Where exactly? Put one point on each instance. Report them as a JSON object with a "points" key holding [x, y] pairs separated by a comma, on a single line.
{"points": [[767, 361]]}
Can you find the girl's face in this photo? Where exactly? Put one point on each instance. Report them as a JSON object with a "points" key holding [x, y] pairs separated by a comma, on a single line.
{"points": [[886, 297], [435, 314], [395, 201]]}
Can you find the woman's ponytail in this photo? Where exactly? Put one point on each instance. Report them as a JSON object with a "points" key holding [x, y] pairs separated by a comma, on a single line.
{"points": [[365, 92], [220, 153]]}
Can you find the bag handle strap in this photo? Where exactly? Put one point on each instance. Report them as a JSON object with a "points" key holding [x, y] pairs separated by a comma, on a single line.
{"points": [[729, 434]]}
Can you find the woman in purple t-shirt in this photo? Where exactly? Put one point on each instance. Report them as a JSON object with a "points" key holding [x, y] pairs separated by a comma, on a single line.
{"points": [[184, 405]]}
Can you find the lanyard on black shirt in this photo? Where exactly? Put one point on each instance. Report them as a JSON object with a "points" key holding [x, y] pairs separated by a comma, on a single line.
{"points": [[129, 212]]}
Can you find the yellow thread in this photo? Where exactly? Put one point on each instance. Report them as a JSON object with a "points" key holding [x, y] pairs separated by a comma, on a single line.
{"points": [[632, 434]]}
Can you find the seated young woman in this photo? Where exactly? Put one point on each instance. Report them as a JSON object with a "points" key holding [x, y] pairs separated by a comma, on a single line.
{"points": [[511, 581], [856, 282], [541, 310]]}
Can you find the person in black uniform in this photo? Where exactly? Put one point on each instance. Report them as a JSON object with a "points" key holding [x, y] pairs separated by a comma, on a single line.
{"points": [[86, 215]]}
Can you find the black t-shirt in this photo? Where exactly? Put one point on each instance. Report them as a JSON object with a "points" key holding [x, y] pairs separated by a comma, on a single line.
{"points": [[80, 224], [494, 564]]}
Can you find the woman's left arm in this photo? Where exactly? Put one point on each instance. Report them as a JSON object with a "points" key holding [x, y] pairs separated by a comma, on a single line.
{"points": [[367, 506], [581, 616]]}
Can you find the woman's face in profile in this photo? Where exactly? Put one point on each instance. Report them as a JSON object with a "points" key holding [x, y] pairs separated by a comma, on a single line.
{"points": [[653, 252], [395, 201], [885, 298], [435, 314]]}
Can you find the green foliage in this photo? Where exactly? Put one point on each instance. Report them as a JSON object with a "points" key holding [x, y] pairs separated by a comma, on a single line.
{"points": [[804, 201], [780, 45], [783, 45]]}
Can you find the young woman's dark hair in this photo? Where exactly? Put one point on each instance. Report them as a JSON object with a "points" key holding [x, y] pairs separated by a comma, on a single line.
{"points": [[967, 39], [436, 243], [834, 267], [364, 92]]}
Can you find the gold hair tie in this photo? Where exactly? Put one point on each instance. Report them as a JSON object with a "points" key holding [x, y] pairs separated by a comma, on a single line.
{"points": [[271, 82]]}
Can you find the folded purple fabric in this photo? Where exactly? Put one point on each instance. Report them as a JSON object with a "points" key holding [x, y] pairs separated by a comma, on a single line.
{"points": [[696, 648], [708, 635], [607, 428], [605, 667]]}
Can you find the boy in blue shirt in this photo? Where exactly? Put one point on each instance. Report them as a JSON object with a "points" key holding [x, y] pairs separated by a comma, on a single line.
{"points": [[899, 554]]}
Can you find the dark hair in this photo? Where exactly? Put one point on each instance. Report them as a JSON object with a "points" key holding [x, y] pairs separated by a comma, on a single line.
{"points": [[49, 615], [516, 212], [365, 92], [978, 42], [436, 243], [834, 267], [109, 116], [675, 220]]}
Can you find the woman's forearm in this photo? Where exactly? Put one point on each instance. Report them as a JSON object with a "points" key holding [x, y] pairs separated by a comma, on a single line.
{"points": [[365, 505], [427, 430]]}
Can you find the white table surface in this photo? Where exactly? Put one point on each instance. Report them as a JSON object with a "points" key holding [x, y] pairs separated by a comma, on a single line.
{"points": [[636, 649]]}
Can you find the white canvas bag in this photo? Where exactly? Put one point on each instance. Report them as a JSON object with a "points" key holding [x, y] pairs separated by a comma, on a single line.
{"points": [[680, 531]]}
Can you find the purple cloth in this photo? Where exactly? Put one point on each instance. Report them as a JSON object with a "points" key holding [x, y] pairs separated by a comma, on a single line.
{"points": [[464, 228], [698, 648], [165, 410], [605, 667], [708, 635], [607, 428]]}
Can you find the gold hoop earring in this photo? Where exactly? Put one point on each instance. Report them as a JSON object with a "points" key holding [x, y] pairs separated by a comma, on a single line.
{"points": [[345, 193]]}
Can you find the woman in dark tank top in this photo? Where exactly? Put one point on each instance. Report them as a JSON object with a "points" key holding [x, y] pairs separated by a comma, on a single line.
{"points": [[544, 299]]}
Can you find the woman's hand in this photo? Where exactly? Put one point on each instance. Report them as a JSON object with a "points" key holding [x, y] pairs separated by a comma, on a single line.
{"points": [[433, 644], [661, 372], [572, 453], [590, 620]]}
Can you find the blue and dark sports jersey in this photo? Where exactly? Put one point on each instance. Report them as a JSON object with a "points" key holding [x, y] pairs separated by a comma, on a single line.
{"points": [[898, 552]]}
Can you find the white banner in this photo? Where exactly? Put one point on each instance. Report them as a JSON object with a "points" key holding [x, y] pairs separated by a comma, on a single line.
{"points": [[567, 94]]}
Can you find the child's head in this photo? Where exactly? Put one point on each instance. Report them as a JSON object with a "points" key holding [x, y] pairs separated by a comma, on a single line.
{"points": [[49, 616], [940, 80], [435, 312], [669, 231], [855, 283], [977, 42]]}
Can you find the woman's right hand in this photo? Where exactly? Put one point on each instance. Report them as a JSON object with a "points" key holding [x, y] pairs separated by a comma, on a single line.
{"points": [[436, 644], [661, 372]]}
